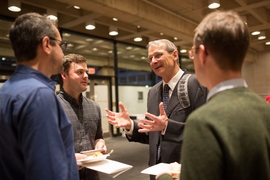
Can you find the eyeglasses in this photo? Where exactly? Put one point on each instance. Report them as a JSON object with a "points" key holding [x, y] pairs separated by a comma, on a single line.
{"points": [[62, 44], [157, 55], [191, 52]]}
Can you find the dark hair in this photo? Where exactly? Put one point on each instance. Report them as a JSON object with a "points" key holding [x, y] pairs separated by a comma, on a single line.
{"points": [[226, 37], [68, 59], [27, 32]]}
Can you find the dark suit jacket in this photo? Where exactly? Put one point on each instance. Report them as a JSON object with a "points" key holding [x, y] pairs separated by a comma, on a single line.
{"points": [[172, 140]]}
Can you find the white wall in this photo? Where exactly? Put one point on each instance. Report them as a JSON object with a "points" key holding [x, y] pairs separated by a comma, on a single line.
{"points": [[102, 98], [257, 74], [128, 95]]}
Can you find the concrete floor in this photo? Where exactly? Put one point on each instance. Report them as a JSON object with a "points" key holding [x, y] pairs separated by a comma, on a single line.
{"points": [[135, 154]]}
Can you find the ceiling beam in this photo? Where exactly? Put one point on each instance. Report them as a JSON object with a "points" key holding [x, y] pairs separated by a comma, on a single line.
{"points": [[80, 20], [251, 11], [140, 13]]}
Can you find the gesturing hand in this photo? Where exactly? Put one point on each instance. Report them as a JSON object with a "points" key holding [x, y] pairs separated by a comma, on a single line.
{"points": [[157, 123], [120, 119]]}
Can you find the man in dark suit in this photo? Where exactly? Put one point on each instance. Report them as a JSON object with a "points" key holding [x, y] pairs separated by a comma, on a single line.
{"points": [[228, 138], [163, 129]]}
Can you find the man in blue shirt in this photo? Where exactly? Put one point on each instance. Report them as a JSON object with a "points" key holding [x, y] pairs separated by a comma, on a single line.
{"points": [[36, 137]]}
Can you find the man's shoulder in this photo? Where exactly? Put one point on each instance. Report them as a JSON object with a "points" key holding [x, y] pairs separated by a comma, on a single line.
{"points": [[60, 96], [190, 92], [189, 80], [194, 84], [87, 99], [25, 87], [193, 80], [90, 101]]}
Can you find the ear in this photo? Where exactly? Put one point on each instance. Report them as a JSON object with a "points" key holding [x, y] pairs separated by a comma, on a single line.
{"points": [[202, 54], [175, 54], [45, 45], [63, 75]]}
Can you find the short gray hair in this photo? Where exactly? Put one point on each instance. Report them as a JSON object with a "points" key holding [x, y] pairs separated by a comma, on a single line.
{"points": [[169, 46]]}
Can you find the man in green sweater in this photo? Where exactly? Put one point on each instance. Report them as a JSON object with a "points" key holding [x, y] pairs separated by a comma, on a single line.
{"points": [[228, 138]]}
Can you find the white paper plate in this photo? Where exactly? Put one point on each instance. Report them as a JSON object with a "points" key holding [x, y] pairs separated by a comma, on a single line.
{"points": [[90, 152], [159, 168], [91, 159]]}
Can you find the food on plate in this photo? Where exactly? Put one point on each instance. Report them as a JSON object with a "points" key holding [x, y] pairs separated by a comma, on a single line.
{"points": [[96, 154], [175, 169]]}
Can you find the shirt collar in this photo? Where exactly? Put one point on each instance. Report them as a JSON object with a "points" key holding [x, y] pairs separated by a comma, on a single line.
{"points": [[229, 84], [172, 83], [70, 98]]}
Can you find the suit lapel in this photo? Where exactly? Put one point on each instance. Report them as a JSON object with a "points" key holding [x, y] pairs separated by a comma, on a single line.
{"points": [[157, 98]]}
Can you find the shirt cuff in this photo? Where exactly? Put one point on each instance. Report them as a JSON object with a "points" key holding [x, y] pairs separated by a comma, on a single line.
{"points": [[164, 130], [130, 132]]}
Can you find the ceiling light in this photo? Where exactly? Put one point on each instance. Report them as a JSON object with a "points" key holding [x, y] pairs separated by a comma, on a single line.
{"points": [[185, 59], [138, 26], [255, 33], [14, 5], [138, 39], [175, 38], [267, 43], [262, 36], [183, 51], [90, 25], [128, 48], [52, 14], [76, 7], [213, 4], [161, 34], [89, 39], [113, 31], [66, 35], [70, 45], [115, 19]]}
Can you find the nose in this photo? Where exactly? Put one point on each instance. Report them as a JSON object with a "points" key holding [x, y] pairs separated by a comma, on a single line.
{"points": [[154, 59]]}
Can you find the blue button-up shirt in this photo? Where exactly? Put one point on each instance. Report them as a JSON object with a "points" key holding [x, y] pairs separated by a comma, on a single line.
{"points": [[36, 137]]}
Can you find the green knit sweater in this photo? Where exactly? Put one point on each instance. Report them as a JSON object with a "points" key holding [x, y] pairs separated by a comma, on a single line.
{"points": [[228, 138]]}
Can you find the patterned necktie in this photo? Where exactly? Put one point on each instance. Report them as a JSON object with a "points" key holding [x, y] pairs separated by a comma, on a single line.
{"points": [[166, 96]]}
